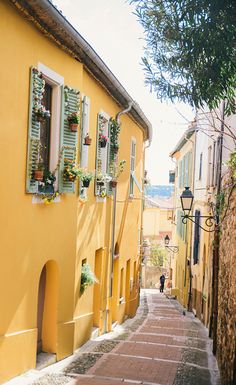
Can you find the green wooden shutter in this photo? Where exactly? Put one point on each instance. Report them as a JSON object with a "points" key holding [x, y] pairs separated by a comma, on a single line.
{"points": [[68, 139], [37, 84], [110, 160]]}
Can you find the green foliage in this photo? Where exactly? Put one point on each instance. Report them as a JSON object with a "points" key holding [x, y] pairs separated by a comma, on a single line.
{"points": [[114, 137], [158, 255], [190, 50], [86, 175], [87, 277], [232, 164]]}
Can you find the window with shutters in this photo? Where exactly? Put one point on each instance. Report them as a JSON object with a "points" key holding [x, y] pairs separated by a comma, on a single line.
{"points": [[132, 166], [209, 167], [50, 139]]}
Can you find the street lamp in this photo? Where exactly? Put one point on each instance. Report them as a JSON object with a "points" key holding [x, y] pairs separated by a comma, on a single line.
{"points": [[186, 199], [175, 249]]}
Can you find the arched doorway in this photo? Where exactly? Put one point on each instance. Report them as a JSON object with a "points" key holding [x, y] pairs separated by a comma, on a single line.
{"points": [[47, 308]]}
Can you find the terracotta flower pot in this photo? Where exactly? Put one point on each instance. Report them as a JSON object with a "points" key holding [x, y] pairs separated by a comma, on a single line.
{"points": [[38, 175], [113, 183], [103, 143], [86, 183], [74, 127], [87, 141]]}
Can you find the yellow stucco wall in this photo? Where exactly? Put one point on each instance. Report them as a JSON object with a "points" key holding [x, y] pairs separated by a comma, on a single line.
{"points": [[62, 234]]}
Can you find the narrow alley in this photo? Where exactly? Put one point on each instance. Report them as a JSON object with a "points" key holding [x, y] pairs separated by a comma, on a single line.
{"points": [[161, 345]]}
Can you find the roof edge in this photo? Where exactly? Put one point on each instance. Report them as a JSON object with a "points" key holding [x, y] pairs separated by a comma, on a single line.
{"points": [[53, 24]]}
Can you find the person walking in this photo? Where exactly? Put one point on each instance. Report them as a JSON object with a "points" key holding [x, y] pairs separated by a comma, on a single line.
{"points": [[162, 283]]}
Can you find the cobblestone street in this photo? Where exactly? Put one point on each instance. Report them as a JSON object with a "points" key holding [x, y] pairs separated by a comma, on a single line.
{"points": [[159, 346]]}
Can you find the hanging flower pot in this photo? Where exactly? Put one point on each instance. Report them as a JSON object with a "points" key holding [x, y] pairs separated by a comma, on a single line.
{"points": [[38, 175], [73, 120], [86, 183], [113, 183], [87, 140], [74, 127], [103, 143]]}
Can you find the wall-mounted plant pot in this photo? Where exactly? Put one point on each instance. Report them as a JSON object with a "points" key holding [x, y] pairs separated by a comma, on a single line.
{"points": [[74, 127], [103, 143], [87, 141], [38, 175], [100, 183], [113, 183], [86, 183]]}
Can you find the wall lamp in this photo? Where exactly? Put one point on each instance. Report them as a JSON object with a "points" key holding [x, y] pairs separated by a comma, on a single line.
{"points": [[174, 249], [186, 199]]}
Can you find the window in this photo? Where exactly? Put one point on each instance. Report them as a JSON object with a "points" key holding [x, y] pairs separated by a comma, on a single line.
{"points": [[50, 140], [210, 168], [200, 167], [132, 166], [196, 237]]}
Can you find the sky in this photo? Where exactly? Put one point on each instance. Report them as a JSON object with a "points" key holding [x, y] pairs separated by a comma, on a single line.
{"points": [[114, 32]]}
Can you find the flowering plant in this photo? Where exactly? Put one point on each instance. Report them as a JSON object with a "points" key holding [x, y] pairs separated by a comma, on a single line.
{"points": [[71, 170], [74, 118], [103, 138], [103, 177], [41, 111]]}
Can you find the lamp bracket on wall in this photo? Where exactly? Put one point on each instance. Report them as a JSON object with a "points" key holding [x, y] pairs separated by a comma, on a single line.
{"points": [[210, 220], [174, 249]]}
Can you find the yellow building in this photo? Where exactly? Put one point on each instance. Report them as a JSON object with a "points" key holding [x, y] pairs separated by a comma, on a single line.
{"points": [[50, 228], [157, 218], [182, 234]]}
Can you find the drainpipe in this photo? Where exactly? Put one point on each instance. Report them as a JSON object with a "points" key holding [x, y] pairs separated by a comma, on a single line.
{"points": [[216, 251], [114, 209]]}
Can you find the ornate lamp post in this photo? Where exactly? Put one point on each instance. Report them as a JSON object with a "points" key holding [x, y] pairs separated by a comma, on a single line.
{"points": [[174, 249], [186, 199]]}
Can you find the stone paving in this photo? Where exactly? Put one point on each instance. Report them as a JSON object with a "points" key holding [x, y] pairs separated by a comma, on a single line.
{"points": [[160, 346]]}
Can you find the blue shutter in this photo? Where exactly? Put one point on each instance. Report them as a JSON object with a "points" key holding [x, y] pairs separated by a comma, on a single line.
{"points": [[68, 139], [36, 92]]}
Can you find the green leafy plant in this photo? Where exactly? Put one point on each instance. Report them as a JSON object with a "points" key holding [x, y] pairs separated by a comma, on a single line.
{"points": [[114, 136], [74, 118], [232, 164], [87, 277]]}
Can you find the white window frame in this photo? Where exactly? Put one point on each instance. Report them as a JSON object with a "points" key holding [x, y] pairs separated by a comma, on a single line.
{"points": [[55, 81]]}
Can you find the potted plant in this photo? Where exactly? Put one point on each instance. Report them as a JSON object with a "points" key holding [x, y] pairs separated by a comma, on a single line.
{"points": [[71, 170], [87, 140], [38, 172], [73, 120], [103, 139], [41, 113], [47, 185], [116, 169], [86, 177], [87, 277]]}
